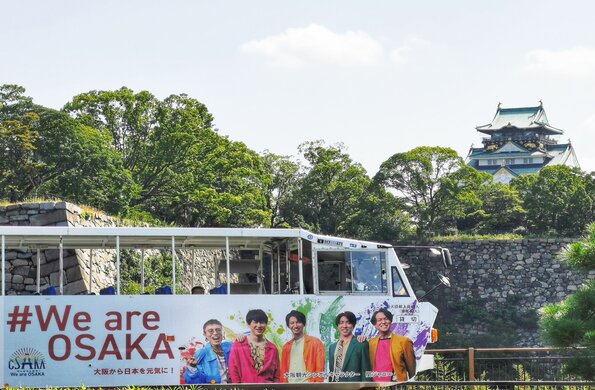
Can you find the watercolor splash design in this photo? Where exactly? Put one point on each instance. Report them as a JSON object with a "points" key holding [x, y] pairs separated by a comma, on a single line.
{"points": [[187, 351]]}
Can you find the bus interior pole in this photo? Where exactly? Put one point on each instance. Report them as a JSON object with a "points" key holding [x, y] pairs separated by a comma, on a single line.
{"points": [[3, 265], [287, 266], [118, 265], [279, 268], [193, 265], [38, 273], [142, 270], [227, 265], [91, 270], [351, 272], [272, 273], [300, 264], [261, 269], [173, 264], [61, 266]]}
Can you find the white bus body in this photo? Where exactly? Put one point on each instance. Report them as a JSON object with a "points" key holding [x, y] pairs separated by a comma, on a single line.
{"points": [[123, 340]]}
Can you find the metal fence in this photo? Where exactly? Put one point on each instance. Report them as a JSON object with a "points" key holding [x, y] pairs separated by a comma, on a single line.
{"points": [[499, 364], [497, 385]]}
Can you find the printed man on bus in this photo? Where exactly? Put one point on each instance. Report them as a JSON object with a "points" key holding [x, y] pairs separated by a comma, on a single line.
{"points": [[255, 359], [303, 357], [392, 355], [210, 364], [349, 360]]}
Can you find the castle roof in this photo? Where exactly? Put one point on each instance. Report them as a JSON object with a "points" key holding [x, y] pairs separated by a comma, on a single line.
{"points": [[520, 118], [560, 151]]}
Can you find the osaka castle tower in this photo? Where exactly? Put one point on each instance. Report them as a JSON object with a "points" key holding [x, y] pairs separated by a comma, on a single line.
{"points": [[519, 141]]}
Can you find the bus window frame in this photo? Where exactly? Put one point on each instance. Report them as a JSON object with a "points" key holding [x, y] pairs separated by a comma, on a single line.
{"points": [[315, 265], [395, 270]]}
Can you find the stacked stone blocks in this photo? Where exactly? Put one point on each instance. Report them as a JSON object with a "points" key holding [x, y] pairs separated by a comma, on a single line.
{"points": [[525, 275], [21, 265]]}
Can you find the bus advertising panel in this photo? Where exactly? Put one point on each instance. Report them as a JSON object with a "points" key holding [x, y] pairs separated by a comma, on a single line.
{"points": [[156, 340]]}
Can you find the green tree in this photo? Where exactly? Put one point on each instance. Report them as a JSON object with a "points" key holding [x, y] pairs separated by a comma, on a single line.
{"points": [[284, 178], [17, 140], [430, 181], [379, 216], [500, 210], [225, 186], [155, 138], [559, 199], [158, 272], [460, 195], [572, 322], [185, 172], [81, 165], [47, 153], [329, 191]]}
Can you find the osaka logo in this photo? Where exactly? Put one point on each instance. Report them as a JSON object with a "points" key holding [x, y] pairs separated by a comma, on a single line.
{"points": [[27, 362]]}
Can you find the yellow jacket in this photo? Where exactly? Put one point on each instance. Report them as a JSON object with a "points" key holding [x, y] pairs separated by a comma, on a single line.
{"points": [[402, 356]]}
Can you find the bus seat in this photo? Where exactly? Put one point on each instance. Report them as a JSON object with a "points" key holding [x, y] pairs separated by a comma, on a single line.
{"points": [[222, 290], [165, 290], [50, 290], [108, 291]]}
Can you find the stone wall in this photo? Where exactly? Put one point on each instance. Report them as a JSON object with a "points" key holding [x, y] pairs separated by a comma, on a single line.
{"points": [[205, 262], [21, 265], [511, 279]]}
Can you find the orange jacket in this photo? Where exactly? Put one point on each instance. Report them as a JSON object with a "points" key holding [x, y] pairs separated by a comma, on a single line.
{"points": [[314, 358], [402, 356]]}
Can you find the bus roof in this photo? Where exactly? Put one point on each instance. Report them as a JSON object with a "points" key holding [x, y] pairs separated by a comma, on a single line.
{"points": [[160, 237]]}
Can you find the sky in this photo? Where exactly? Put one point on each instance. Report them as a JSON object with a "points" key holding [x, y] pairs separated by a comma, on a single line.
{"points": [[382, 77]]}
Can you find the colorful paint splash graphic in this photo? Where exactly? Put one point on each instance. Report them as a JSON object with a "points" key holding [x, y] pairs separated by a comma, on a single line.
{"points": [[187, 351]]}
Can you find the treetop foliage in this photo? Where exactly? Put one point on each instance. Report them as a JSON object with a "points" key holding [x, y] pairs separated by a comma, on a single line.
{"points": [[131, 154], [559, 199]]}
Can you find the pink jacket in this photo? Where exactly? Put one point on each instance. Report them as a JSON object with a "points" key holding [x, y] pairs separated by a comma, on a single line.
{"points": [[241, 365]]}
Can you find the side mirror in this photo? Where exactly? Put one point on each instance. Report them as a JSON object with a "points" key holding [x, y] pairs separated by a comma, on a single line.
{"points": [[444, 281], [446, 259]]}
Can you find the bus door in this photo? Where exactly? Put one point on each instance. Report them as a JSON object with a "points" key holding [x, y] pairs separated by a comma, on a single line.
{"points": [[285, 267]]}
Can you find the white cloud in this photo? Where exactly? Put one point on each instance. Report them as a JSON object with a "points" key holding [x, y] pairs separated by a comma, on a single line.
{"points": [[578, 61], [403, 54], [297, 47]]}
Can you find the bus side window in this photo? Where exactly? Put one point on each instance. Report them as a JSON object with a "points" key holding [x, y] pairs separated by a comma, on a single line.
{"points": [[357, 272], [369, 271], [399, 289], [334, 272]]}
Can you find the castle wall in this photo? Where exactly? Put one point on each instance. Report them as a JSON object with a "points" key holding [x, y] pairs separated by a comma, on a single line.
{"points": [[513, 278]]}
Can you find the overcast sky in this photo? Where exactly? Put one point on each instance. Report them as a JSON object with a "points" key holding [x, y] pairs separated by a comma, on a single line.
{"points": [[381, 76]]}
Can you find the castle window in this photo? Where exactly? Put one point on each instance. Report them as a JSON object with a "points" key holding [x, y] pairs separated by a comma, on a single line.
{"points": [[528, 160]]}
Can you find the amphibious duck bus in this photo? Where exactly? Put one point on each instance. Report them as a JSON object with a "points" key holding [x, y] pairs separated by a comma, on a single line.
{"points": [[119, 340]]}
